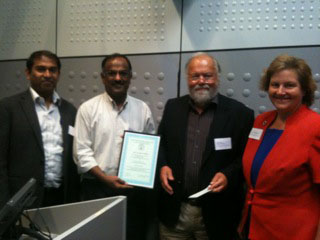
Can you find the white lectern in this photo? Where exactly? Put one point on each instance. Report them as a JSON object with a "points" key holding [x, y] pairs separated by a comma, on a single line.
{"points": [[97, 219]]}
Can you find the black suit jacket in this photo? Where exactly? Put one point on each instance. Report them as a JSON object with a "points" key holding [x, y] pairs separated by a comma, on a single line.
{"points": [[221, 211], [21, 148]]}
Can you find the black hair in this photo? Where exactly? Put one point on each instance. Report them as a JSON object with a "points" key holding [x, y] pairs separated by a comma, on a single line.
{"points": [[114, 56], [39, 54]]}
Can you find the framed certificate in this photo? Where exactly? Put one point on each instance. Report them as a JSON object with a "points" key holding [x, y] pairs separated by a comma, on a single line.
{"points": [[138, 159]]}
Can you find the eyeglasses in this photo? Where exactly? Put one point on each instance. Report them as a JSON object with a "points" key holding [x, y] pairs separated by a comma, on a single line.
{"points": [[42, 69], [206, 76], [113, 74]]}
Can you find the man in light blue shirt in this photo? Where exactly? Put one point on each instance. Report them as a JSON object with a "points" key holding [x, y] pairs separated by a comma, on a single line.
{"points": [[36, 136]]}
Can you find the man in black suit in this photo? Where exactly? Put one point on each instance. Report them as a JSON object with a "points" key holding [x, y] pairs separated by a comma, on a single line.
{"points": [[203, 136], [35, 137]]}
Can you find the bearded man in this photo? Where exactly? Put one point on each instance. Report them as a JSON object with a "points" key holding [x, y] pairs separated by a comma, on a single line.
{"points": [[203, 136]]}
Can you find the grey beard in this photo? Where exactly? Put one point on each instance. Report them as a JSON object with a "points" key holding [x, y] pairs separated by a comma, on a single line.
{"points": [[203, 97]]}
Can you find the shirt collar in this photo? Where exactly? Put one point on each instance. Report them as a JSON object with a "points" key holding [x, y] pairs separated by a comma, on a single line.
{"points": [[36, 97], [113, 103]]}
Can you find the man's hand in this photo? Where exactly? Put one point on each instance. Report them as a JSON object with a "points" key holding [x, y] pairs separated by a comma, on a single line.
{"points": [[115, 182], [165, 177], [112, 181], [218, 183]]}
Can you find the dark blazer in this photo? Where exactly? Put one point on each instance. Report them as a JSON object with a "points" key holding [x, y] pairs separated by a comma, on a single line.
{"points": [[221, 211], [21, 148]]}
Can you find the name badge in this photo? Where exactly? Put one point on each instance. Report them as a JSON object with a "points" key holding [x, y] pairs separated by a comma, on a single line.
{"points": [[256, 133], [71, 131], [222, 143]]}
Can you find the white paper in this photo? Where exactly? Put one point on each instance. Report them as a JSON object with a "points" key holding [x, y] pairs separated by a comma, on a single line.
{"points": [[256, 133], [222, 143], [202, 192], [71, 131]]}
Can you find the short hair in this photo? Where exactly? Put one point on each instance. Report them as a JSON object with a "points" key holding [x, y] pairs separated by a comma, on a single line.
{"points": [[300, 67], [197, 54], [114, 56], [39, 54]]}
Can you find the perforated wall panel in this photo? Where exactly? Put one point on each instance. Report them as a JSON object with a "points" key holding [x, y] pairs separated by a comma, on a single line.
{"points": [[12, 78], [87, 27], [226, 24], [26, 26]]}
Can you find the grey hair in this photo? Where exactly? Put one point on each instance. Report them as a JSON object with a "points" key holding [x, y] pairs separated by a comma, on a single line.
{"points": [[197, 54]]}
